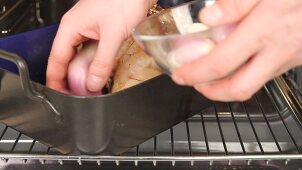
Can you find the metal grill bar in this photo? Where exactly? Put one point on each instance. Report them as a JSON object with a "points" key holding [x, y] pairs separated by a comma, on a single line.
{"points": [[189, 137], [48, 149], [253, 127], [267, 122], [237, 130], [137, 154], [30, 149], [155, 146], [31, 146], [220, 130], [270, 157], [15, 143], [205, 134], [272, 100], [172, 142], [3, 132], [137, 150]]}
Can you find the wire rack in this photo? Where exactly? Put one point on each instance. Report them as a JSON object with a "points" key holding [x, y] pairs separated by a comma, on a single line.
{"points": [[261, 129]]}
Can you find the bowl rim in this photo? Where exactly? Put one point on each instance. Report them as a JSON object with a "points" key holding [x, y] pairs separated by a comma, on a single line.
{"points": [[170, 36]]}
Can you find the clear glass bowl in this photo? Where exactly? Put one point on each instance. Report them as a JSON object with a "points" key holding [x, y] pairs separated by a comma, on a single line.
{"points": [[175, 34]]}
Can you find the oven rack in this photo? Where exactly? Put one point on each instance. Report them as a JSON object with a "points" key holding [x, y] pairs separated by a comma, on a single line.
{"points": [[265, 129]]}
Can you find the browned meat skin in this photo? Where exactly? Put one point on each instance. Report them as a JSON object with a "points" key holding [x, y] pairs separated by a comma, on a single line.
{"points": [[133, 68]]}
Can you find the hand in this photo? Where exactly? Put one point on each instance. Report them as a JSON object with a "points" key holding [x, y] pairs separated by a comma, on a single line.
{"points": [[110, 22], [266, 43]]}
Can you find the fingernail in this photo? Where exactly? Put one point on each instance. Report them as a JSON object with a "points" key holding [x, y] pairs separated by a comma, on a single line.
{"points": [[178, 80], [212, 13], [190, 52], [94, 83]]}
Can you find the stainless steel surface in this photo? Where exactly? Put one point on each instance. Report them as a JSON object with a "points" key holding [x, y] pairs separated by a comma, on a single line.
{"points": [[260, 133], [108, 124], [25, 81]]}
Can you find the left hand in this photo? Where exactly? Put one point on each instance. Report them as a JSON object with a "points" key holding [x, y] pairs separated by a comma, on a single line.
{"points": [[266, 43], [110, 23]]}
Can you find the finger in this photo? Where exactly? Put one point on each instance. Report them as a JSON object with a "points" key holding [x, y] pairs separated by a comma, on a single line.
{"points": [[293, 61], [63, 48], [249, 78], [226, 57], [101, 67], [227, 11]]}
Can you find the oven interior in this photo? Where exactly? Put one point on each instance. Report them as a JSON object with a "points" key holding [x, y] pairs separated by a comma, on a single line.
{"points": [[264, 132]]}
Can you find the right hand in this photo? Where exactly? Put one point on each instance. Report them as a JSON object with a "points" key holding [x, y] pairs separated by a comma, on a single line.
{"points": [[110, 22], [266, 42]]}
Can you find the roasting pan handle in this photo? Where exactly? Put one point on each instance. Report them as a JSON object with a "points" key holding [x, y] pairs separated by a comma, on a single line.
{"points": [[25, 80]]}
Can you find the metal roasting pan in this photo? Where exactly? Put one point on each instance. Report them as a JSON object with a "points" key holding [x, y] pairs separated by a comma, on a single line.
{"points": [[112, 123]]}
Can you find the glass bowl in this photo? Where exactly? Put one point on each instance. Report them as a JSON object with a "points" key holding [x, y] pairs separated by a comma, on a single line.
{"points": [[176, 34]]}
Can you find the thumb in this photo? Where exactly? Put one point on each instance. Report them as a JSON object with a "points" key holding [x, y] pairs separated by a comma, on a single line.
{"points": [[227, 11], [102, 65]]}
